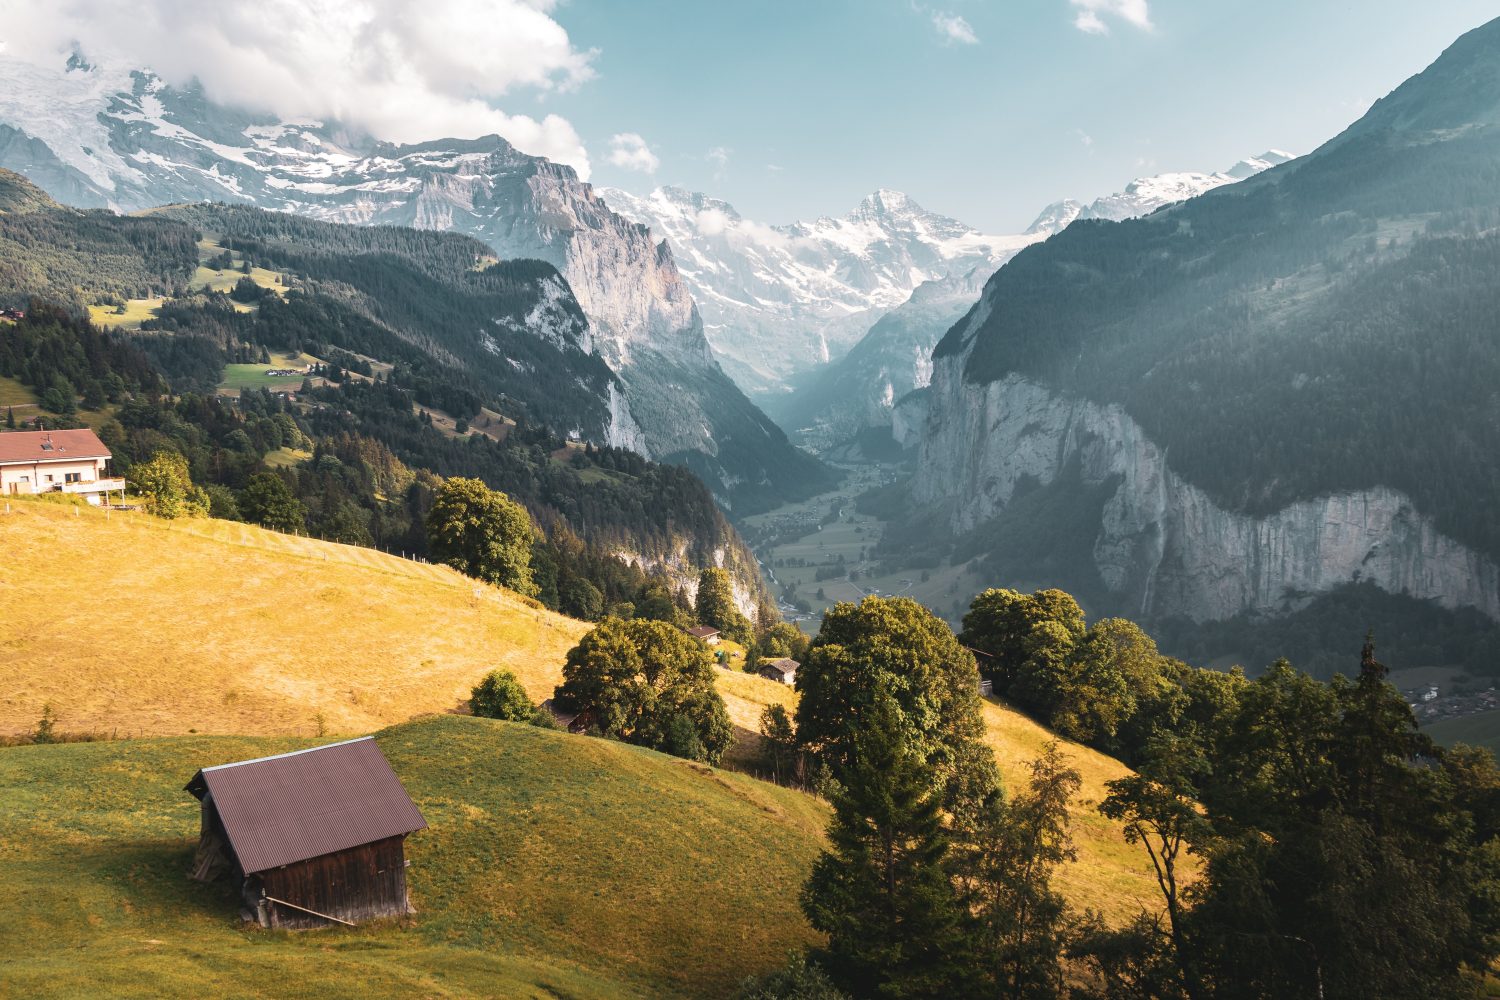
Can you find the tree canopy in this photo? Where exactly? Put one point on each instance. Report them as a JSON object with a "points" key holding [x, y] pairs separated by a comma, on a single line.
{"points": [[894, 647], [483, 533], [715, 605], [648, 683], [500, 696]]}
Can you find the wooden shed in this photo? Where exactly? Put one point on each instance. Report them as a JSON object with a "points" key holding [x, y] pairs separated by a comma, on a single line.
{"points": [[314, 837]]}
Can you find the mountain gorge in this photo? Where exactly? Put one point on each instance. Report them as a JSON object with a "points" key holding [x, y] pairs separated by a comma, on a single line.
{"points": [[1279, 387], [93, 136], [412, 325], [893, 358]]}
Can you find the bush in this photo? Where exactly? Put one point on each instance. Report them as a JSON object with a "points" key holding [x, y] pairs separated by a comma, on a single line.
{"points": [[501, 696], [797, 980]]}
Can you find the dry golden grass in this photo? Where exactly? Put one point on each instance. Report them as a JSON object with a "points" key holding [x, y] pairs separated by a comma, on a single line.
{"points": [[125, 622], [129, 623], [1111, 876]]}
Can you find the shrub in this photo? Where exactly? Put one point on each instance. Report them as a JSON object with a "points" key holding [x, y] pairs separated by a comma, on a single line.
{"points": [[501, 696]]}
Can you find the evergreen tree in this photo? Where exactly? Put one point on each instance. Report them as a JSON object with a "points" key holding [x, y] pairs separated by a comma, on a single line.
{"points": [[716, 607], [881, 891]]}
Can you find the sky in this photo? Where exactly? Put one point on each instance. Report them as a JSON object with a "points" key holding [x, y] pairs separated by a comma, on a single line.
{"points": [[985, 110]]}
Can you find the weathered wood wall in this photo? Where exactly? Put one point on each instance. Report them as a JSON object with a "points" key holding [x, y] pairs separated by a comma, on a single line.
{"points": [[358, 884]]}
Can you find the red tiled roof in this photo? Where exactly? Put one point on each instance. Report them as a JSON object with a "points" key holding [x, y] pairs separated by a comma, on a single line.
{"points": [[50, 446], [300, 805]]}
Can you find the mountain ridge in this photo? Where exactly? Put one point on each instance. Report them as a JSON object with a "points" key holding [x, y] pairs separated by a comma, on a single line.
{"points": [[1343, 349], [128, 141]]}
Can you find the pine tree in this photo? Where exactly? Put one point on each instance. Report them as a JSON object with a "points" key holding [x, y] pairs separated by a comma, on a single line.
{"points": [[882, 892]]}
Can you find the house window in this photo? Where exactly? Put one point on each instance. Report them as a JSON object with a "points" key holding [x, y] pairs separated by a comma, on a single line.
{"points": [[49, 477], [72, 477]]}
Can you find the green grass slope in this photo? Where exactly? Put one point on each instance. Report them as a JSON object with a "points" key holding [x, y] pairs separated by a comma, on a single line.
{"points": [[1481, 729], [554, 866]]}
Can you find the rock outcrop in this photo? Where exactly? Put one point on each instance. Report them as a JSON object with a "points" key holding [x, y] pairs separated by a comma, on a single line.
{"points": [[1164, 547]]}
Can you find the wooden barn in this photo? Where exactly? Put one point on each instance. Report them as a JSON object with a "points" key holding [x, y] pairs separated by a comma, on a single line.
{"points": [[312, 837]]}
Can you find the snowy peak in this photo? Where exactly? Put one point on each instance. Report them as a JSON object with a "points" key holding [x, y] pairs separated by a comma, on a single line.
{"points": [[1145, 195], [778, 300], [1250, 166]]}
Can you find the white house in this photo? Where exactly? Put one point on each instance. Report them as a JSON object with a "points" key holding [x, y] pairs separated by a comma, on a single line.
{"points": [[57, 461], [705, 634]]}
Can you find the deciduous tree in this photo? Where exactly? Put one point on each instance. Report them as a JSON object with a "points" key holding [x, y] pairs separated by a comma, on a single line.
{"points": [[643, 682], [500, 696], [483, 533]]}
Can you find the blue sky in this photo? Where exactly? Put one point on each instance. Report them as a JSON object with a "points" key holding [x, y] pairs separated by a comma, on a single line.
{"points": [[816, 103], [983, 109]]}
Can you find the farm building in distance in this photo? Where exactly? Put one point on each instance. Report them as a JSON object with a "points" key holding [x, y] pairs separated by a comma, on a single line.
{"points": [[782, 671], [313, 837], [73, 461], [705, 634]]}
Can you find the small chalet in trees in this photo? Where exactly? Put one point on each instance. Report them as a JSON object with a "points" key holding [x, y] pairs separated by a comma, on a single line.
{"points": [[313, 837], [783, 670], [707, 635]]}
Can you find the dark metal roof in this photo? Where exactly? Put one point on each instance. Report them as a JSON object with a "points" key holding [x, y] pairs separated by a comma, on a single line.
{"points": [[300, 805]]}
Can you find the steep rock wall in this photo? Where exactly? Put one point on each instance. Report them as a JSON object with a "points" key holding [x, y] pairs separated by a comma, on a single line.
{"points": [[1164, 546]]}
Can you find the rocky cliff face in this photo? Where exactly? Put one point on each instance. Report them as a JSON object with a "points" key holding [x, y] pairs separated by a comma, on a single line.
{"points": [[892, 360], [1163, 546], [99, 137], [860, 390]]}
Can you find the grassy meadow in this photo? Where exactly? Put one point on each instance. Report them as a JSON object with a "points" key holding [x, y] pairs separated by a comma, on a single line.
{"points": [[187, 628], [553, 866], [1481, 729], [237, 378]]}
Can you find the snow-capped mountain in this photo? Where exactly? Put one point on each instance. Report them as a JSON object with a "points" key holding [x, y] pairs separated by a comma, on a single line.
{"points": [[102, 137], [895, 356], [781, 301], [1145, 195]]}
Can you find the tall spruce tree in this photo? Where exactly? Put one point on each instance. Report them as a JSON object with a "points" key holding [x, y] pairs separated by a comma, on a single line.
{"points": [[882, 892]]}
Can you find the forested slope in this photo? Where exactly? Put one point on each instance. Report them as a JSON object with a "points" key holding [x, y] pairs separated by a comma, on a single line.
{"points": [[1329, 325]]}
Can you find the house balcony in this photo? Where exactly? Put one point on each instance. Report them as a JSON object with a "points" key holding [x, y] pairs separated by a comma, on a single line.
{"points": [[94, 486]]}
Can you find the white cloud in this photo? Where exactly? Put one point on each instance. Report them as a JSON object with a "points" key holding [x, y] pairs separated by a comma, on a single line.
{"points": [[405, 72], [1091, 14], [717, 222], [953, 29], [712, 222], [1084, 137], [719, 157], [629, 151]]}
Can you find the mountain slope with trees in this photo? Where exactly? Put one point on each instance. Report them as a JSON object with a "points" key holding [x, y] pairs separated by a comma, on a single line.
{"points": [[499, 340], [1315, 345]]}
